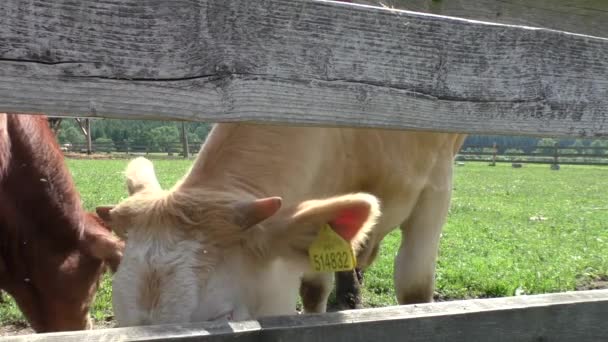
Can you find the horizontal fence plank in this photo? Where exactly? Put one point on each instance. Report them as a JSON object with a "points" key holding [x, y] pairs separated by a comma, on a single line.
{"points": [[299, 62], [533, 161], [578, 16], [571, 316]]}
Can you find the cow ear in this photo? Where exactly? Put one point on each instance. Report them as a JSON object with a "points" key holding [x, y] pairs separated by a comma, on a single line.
{"points": [[141, 176], [99, 241], [250, 213], [104, 246], [351, 216], [104, 213]]}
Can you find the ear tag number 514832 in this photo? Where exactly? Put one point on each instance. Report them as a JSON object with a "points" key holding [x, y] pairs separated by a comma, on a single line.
{"points": [[329, 252]]}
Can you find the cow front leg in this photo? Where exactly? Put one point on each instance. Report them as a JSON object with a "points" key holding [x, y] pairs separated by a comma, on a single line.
{"points": [[417, 256], [348, 290], [315, 290], [349, 283]]}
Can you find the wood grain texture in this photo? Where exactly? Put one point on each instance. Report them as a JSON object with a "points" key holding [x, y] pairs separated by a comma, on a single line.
{"points": [[299, 62], [579, 16], [571, 316]]}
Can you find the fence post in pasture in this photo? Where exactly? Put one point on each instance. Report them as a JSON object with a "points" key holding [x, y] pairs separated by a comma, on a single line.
{"points": [[55, 124], [494, 149], [89, 141], [555, 165], [186, 148], [127, 146], [86, 131]]}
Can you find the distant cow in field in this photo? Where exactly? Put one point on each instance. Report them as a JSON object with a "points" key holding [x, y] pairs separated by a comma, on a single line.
{"points": [[219, 244], [52, 253]]}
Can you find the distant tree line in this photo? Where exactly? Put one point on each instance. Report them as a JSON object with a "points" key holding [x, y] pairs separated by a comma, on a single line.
{"points": [[521, 144], [156, 135]]}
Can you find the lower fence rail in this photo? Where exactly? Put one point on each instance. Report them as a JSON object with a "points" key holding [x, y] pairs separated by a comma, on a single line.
{"points": [[569, 316]]}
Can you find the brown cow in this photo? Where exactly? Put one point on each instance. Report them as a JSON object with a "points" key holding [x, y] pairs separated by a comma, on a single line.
{"points": [[52, 252], [220, 244]]}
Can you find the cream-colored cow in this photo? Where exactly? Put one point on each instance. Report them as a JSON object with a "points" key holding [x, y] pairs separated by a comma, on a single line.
{"points": [[230, 240]]}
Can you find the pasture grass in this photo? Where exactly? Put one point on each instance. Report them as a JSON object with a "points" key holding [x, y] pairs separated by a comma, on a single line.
{"points": [[491, 246]]}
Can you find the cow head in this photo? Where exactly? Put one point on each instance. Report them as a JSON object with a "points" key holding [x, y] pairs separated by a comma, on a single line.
{"points": [[54, 280], [199, 255]]}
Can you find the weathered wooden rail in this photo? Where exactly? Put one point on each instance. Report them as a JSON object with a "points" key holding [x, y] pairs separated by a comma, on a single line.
{"points": [[577, 16], [579, 316], [314, 62], [299, 62]]}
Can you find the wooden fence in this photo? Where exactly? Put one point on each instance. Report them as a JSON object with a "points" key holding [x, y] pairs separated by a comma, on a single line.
{"points": [[314, 62], [172, 148], [539, 155], [568, 316]]}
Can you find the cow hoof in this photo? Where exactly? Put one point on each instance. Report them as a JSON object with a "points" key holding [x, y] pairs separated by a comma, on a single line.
{"points": [[349, 302]]}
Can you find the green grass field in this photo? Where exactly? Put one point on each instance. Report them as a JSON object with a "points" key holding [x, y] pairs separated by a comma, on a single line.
{"points": [[490, 247]]}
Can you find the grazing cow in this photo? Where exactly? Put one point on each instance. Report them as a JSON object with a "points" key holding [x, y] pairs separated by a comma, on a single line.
{"points": [[219, 245], [52, 253]]}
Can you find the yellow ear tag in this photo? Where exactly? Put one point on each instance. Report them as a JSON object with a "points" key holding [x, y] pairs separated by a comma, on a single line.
{"points": [[331, 253]]}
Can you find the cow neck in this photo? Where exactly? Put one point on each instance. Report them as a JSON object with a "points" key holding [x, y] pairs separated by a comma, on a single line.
{"points": [[44, 201]]}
